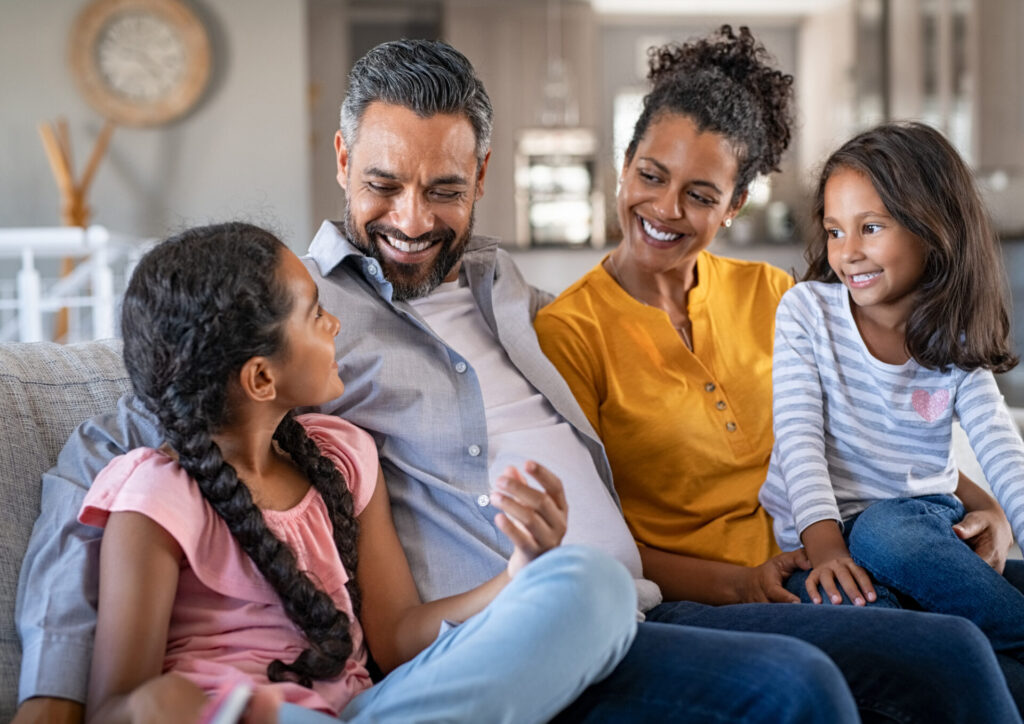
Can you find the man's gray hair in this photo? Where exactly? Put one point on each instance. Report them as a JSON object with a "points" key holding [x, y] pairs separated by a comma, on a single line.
{"points": [[427, 77]]}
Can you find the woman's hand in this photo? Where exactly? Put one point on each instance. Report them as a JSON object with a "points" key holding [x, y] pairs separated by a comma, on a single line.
{"points": [[764, 583], [988, 532], [985, 527], [534, 520]]}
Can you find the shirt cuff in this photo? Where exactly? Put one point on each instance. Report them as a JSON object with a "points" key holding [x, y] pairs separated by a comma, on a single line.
{"points": [[55, 666]]}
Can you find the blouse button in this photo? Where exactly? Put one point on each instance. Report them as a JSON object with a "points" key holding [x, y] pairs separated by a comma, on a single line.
{"points": [[474, 450], [460, 367], [709, 387], [483, 501], [730, 426], [720, 404]]}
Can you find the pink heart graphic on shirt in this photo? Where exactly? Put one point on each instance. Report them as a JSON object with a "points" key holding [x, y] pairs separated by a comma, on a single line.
{"points": [[930, 405]]}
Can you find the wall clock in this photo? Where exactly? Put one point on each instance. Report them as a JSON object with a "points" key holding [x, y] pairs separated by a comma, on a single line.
{"points": [[140, 62]]}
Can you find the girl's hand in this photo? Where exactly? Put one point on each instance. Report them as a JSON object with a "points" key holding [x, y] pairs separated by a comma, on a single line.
{"points": [[852, 578], [534, 520], [167, 698], [763, 583]]}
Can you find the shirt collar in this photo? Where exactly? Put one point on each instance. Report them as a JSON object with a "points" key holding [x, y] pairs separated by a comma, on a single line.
{"points": [[330, 248]]}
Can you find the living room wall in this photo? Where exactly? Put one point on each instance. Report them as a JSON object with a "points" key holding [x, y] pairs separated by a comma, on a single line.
{"points": [[242, 153]]}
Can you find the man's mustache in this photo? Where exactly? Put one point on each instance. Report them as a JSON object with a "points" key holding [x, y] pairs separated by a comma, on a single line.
{"points": [[443, 235]]}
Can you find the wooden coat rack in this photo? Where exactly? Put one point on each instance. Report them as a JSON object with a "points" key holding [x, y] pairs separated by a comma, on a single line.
{"points": [[74, 211]]}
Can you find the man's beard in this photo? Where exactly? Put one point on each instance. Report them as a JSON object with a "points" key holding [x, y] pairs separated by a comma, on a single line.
{"points": [[410, 281]]}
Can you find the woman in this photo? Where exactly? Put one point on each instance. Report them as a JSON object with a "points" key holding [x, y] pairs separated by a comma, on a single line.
{"points": [[668, 349]]}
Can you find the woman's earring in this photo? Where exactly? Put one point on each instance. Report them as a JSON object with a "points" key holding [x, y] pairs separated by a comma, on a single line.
{"points": [[727, 223]]}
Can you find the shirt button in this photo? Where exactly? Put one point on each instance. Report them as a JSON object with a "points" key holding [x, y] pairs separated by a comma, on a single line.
{"points": [[460, 367], [720, 405], [474, 450], [372, 269], [483, 500], [709, 387], [730, 426]]}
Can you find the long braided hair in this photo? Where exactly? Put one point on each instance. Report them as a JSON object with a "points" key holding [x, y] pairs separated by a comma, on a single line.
{"points": [[198, 306]]}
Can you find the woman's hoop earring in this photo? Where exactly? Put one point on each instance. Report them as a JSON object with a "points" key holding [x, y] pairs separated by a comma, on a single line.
{"points": [[727, 223]]}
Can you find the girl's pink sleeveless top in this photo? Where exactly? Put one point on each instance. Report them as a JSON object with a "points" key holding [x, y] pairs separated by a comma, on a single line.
{"points": [[227, 622]]}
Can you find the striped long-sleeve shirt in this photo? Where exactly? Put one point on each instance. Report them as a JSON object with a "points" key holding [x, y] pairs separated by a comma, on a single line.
{"points": [[850, 429]]}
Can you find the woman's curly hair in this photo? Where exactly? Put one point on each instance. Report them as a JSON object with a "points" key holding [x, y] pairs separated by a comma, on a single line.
{"points": [[726, 84], [198, 306]]}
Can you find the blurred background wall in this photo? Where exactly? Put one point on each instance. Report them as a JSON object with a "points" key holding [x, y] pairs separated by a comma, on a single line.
{"points": [[259, 143]]}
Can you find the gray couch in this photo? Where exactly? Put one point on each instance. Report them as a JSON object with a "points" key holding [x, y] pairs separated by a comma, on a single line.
{"points": [[46, 390]]}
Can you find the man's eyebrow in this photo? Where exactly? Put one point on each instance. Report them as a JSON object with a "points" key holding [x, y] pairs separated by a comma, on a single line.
{"points": [[451, 180], [316, 300], [375, 171]]}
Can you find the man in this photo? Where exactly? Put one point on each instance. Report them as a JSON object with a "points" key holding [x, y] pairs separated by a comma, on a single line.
{"points": [[442, 367]]}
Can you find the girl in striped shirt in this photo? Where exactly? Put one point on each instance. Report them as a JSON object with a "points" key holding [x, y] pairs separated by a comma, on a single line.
{"points": [[897, 333]]}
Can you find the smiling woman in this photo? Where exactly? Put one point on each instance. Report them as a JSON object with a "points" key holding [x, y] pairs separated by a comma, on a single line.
{"points": [[668, 349]]}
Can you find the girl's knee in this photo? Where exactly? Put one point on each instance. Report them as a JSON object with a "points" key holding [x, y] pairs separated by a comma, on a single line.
{"points": [[899, 528], [588, 574]]}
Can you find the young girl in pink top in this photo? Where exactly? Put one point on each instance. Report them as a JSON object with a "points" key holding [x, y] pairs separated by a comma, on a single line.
{"points": [[245, 548]]}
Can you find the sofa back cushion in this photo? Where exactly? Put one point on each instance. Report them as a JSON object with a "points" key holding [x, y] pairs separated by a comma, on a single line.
{"points": [[46, 390]]}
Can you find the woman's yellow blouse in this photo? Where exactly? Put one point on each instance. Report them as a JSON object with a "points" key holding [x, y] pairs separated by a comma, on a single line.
{"points": [[688, 434]]}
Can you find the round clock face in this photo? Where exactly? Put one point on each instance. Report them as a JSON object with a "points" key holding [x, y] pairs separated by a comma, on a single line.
{"points": [[140, 62]]}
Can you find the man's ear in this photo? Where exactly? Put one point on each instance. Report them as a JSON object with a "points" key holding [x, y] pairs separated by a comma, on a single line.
{"points": [[480, 173], [341, 153], [257, 380]]}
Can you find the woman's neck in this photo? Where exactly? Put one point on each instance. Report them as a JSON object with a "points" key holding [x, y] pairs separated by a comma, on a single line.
{"points": [[668, 289]]}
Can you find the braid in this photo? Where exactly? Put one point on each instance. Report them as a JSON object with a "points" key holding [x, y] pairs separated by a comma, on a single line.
{"points": [[199, 306], [333, 488]]}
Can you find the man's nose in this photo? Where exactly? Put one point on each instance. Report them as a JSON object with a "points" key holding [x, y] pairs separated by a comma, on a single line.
{"points": [[412, 214]]}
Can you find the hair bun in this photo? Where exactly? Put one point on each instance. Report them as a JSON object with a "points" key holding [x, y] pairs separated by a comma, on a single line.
{"points": [[742, 62]]}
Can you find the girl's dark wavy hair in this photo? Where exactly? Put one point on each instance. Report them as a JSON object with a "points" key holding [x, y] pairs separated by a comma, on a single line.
{"points": [[961, 314], [197, 307], [726, 84]]}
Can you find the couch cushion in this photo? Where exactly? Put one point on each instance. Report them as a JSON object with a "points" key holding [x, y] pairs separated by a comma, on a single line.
{"points": [[46, 390]]}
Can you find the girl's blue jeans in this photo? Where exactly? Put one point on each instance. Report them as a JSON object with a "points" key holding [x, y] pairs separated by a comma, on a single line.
{"points": [[909, 548]]}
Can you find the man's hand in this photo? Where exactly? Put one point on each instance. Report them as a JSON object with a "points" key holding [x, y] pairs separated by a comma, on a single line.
{"points": [[534, 520], [47, 710], [988, 532], [763, 583]]}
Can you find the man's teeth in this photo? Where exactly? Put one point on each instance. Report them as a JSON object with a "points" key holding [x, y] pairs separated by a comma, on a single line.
{"points": [[858, 278], [407, 246], [659, 235]]}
